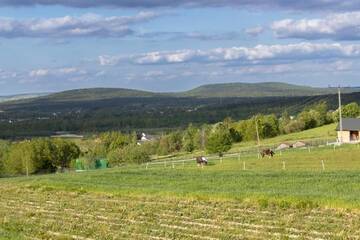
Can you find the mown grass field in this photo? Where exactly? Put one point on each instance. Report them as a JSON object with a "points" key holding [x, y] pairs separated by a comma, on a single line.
{"points": [[182, 201]]}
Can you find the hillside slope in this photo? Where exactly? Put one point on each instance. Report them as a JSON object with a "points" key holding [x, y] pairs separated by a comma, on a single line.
{"points": [[97, 94], [223, 90], [269, 89]]}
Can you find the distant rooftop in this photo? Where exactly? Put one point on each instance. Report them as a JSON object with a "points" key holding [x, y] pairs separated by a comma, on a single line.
{"points": [[350, 124]]}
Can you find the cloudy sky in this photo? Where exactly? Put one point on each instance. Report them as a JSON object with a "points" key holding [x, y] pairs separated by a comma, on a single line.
{"points": [[174, 45]]}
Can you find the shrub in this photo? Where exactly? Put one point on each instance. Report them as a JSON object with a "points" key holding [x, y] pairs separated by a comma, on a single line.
{"points": [[131, 154], [40, 155], [219, 140]]}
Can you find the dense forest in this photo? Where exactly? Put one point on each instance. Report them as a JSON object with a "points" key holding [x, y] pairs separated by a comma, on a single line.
{"points": [[42, 117]]}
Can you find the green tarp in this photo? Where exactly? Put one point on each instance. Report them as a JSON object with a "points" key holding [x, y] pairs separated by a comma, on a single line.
{"points": [[82, 164]]}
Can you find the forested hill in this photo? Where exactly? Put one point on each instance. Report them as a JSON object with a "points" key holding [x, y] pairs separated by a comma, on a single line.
{"points": [[270, 89], [91, 94], [233, 90]]}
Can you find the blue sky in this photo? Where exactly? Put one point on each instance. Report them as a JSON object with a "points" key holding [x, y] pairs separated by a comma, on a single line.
{"points": [[48, 46]]}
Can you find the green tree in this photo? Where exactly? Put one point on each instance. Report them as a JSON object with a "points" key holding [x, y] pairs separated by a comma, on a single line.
{"points": [[164, 145], [4, 148], [130, 154], [114, 140], [64, 153], [219, 140], [189, 141], [19, 159], [351, 110]]}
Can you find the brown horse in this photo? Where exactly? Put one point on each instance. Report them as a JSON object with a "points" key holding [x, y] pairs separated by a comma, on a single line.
{"points": [[267, 152], [201, 161]]}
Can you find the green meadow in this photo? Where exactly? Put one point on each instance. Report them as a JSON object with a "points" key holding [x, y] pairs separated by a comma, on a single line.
{"points": [[309, 193]]}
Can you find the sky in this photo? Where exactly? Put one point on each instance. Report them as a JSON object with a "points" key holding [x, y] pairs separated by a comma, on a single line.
{"points": [[176, 45]]}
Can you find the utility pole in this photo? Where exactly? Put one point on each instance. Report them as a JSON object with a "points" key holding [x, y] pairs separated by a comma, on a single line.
{"points": [[340, 116]]}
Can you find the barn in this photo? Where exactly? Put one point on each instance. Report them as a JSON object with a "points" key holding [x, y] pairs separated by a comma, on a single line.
{"points": [[350, 130]]}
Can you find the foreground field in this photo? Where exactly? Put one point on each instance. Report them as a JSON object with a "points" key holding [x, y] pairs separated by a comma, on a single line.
{"points": [[45, 214], [181, 201]]}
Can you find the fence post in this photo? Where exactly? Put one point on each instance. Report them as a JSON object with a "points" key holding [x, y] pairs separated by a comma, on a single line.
{"points": [[221, 160], [244, 166], [309, 149], [147, 165], [323, 165], [284, 165]]}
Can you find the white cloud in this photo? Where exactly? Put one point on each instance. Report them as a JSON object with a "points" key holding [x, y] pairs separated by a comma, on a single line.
{"points": [[89, 25], [57, 72], [106, 60], [244, 55], [39, 73], [344, 26], [255, 31]]}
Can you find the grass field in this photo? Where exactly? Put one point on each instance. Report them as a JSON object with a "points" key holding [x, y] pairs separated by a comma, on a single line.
{"points": [[302, 200]]}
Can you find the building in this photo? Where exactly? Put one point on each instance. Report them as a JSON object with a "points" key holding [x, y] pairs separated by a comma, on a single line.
{"points": [[350, 130]]}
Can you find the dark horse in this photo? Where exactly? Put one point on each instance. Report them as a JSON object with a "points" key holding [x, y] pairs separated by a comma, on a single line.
{"points": [[267, 152], [201, 161]]}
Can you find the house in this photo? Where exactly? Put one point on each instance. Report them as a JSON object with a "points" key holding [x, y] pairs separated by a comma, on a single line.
{"points": [[350, 130], [142, 138]]}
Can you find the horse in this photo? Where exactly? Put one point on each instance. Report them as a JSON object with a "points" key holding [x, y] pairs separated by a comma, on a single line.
{"points": [[267, 152], [201, 161]]}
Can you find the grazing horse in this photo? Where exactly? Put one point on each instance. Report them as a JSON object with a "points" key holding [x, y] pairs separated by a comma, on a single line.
{"points": [[267, 152], [201, 161]]}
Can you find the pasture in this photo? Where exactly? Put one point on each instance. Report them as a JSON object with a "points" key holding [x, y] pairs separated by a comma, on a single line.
{"points": [[305, 200]]}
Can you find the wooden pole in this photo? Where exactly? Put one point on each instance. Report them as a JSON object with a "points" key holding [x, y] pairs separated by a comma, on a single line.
{"points": [[284, 165], [323, 165], [244, 166], [340, 116]]}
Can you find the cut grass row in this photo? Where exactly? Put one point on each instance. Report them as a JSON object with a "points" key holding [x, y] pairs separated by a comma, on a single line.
{"points": [[48, 214]]}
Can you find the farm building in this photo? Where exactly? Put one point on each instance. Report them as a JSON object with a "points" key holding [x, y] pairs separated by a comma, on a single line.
{"points": [[350, 130]]}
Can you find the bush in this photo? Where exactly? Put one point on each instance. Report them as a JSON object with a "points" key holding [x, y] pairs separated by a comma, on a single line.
{"points": [[189, 140], [40, 155], [294, 126], [219, 140], [131, 154], [4, 148]]}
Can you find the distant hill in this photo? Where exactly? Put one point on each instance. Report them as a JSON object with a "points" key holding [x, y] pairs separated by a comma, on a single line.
{"points": [[97, 94], [269, 89]]}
